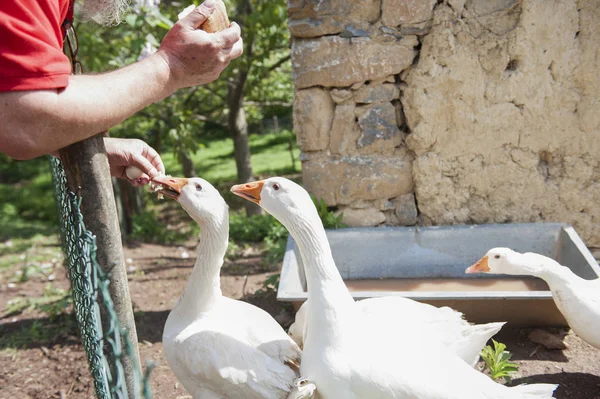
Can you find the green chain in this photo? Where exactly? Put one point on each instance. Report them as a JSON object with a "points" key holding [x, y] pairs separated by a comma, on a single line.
{"points": [[88, 282]]}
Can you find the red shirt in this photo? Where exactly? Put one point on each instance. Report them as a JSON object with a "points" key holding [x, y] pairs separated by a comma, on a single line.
{"points": [[31, 56]]}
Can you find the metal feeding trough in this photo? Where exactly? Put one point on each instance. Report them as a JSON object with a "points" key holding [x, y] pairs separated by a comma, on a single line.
{"points": [[428, 263]]}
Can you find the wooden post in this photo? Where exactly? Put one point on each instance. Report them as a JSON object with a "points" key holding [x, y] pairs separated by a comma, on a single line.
{"points": [[88, 175], [276, 124]]}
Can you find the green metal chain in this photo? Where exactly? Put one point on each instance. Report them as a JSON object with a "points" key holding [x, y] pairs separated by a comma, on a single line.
{"points": [[89, 285]]}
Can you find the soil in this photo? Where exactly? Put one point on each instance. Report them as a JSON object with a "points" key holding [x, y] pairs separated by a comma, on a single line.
{"points": [[157, 275]]}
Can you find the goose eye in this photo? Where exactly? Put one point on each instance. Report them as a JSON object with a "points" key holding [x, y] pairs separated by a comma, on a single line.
{"points": [[198, 187], [275, 186], [497, 256]]}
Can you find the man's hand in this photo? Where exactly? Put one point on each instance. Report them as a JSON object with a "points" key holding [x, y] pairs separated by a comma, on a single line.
{"points": [[132, 152], [194, 56]]}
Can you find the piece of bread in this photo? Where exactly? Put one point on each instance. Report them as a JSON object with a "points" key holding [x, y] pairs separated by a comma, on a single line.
{"points": [[217, 21]]}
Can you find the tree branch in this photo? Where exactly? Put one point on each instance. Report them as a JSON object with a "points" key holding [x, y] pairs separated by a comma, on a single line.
{"points": [[266, 72]]}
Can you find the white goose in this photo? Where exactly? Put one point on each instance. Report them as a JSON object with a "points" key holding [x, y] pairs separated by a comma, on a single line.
{"points": [[216, 346], [577, 299], [343, 355], [444, 324]]}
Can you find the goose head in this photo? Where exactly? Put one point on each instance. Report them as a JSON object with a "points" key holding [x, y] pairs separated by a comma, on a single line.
{"points": [[196, 196], [507, 261], [282, 198]]}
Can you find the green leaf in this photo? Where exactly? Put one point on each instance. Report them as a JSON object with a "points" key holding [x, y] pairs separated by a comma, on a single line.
{"points": [[131, 19], [497, 361]]}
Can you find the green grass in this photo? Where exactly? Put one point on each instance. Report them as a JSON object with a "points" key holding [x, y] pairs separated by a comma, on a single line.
{"points": [[54, 302], [28, 213], [216, 162], [36, 332]]}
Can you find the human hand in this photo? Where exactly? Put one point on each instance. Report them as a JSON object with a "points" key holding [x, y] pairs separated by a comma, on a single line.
{"points": [[133, 152], [194, 56]]}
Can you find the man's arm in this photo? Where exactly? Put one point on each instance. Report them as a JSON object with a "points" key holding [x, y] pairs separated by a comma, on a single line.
{"points": [[34, 123]]}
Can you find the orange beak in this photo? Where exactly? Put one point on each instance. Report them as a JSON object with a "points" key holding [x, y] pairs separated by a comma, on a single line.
{"points": [[170, 186], [250, 191], [480, 267]]}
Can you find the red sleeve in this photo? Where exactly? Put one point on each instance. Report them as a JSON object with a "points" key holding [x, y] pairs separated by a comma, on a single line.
{"points": [[31, 56]]}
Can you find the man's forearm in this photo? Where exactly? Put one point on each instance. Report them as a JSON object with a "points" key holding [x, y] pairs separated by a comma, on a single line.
{"points": [[34, 123], [40, 122]]}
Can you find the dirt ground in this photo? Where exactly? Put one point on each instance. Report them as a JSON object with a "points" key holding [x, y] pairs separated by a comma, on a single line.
{"points": [[157, 274]]}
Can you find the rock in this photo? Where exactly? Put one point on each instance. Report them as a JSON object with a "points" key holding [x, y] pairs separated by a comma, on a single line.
{"points": [[398, 12], [343, 180], [362, 217], [486, 7], [385, 205], [333, 61], [546, 339], [344, 130], [350, 31], [514, 144], [361, 204], [371, 94], [312, 19], [457, 5], [420, 29], [313, 115], [406, 209], [400, 119], [379, 132], [498, 16], [340, 95]]}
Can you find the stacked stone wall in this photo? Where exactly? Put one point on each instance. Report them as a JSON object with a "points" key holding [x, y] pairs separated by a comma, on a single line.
{"points": [[446, 112]]}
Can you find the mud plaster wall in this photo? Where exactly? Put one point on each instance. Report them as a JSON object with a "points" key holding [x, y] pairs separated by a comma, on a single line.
{"points": [[423, 112]]}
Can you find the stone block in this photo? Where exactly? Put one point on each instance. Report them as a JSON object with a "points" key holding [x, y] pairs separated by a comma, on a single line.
{"points": [[398, 12], [379, 131], [333, 61], [344, 180], [372, 94], [341, 95], [313, 116], [344, 130], [406, 209], [362, 217], [309, 18]]}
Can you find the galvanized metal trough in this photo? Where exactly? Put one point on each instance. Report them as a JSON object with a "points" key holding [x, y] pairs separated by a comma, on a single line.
{"points": [[427, 264]]}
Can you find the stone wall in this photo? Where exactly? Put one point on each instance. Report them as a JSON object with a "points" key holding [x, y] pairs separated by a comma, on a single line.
{"points": [[455, 111]]}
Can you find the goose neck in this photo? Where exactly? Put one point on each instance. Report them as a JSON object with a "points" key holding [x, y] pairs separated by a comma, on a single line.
{"points": [[203, 287], [323, 278]]}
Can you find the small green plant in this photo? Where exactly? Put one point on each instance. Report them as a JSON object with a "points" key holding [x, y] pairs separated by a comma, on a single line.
{"points": [[497, 361], [233, 250], [24, 273], [275, 243], [147, 228], [330, 221], [250, 229], [272, 283]]}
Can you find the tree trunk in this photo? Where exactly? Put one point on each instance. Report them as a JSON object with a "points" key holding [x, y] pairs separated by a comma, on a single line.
{"points": [[189, 170], [131, 202], [237, 115], [88, 176], [236, 119], [241, 147]]}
